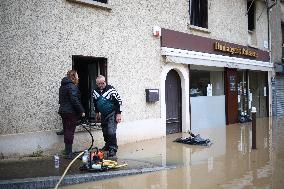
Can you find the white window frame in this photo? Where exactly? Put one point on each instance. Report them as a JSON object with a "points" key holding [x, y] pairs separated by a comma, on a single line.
{"points": [[93, 3]]}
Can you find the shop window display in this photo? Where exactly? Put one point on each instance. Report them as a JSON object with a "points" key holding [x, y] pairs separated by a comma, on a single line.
{"points": [[199, 82]]}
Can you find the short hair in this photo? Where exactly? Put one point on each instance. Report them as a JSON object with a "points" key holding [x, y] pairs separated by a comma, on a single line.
{"points": [[101, 77]]}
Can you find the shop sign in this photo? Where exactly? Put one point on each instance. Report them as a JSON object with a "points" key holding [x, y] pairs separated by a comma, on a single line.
{"points": [[234, 50], [273, 83]]}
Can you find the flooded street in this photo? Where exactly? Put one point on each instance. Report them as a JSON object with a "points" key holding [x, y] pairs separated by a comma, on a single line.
{"points": [[228, 163]]}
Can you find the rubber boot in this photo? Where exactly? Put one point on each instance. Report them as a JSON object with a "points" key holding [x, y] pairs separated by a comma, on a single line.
{"points": [[61, 132], [113, 145], [105, 148], [68, 151], [112, 141], [112, 153]]}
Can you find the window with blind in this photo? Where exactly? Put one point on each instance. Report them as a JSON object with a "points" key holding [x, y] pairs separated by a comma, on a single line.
{"points": [[251, 15], [101, 1], [198, 13]]}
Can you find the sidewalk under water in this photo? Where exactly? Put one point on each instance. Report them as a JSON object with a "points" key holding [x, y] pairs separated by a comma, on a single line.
{"points": [[229, 163]]}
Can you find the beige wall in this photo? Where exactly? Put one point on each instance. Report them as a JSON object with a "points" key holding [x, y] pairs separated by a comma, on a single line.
{"points": [[39, 37], [277, 16], [227, 21]]}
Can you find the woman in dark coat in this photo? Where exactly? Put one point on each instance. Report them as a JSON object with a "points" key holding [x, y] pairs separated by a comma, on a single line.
{"points": [[70, 108]]}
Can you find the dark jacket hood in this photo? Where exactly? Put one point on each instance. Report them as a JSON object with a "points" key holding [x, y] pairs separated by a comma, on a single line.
{"points": [[65, 81]]}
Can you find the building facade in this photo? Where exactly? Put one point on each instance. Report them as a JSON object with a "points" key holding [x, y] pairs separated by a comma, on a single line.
{"points": [[178, 65], [277, 55]]}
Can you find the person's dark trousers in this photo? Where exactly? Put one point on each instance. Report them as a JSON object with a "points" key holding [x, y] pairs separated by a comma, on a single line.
{"points": [[69, 125], [106, 138], [109, 126]]}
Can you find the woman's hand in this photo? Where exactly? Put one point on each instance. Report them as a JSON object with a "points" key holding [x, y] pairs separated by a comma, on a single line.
{"points": [[98, 117], [118, 118]]}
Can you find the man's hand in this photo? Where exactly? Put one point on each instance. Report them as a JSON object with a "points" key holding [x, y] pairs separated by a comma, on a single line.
{"points": [[118, 118], [83, 114], [98, 117]]}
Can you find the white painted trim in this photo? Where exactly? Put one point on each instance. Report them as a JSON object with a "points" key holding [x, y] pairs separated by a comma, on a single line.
{"points": [[196, 28], [206, 59], [183, 73], [206, 68], [270, 75], [93, 3]]}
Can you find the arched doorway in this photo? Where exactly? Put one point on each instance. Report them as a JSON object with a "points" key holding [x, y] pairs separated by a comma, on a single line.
{"points": [[173, 102]]}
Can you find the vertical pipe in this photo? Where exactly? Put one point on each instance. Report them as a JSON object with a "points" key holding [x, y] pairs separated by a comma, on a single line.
{"points": [[271, 73], [253, 127]]}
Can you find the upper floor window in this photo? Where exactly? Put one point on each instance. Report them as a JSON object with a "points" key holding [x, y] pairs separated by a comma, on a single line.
{"points": [[251, 14], [282, 29], [103, 4], [101, 1], [199, 13]]}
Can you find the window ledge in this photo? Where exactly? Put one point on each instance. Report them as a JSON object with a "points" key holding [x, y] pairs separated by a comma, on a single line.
{"points": [[252, 46], [251, 32], [93, 4], [196, 28]]}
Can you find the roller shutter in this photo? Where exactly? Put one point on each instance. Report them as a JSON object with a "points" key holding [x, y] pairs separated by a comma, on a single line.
{"points": [[280, 95]]}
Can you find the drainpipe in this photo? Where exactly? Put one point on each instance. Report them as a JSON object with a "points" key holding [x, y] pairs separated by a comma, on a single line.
{"points": [[270, 73]]}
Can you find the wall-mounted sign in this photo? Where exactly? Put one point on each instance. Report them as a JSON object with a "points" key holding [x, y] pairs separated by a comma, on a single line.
{"points": [[234, 50], [190, 42], [232, 81], [265, 44]]}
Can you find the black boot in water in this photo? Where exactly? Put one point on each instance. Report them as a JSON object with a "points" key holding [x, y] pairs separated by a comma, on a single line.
{"points": [[68, 151], [60, 132]]}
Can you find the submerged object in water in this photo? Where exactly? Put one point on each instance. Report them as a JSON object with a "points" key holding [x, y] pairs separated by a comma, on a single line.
{"points": [[194, 140]]}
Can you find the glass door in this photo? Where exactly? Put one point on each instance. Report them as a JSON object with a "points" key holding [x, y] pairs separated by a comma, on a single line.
{"points": [[243, 96]]}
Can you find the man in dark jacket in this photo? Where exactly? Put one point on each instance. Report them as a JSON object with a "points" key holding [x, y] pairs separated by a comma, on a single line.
{"points": [[107, 103], [70, 108]]}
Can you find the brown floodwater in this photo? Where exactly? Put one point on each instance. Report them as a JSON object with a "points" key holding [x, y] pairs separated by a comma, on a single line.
{"points": [[228, 163]]}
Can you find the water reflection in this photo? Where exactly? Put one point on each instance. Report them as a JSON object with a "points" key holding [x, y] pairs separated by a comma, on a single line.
{"points": [[228, 163]]}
